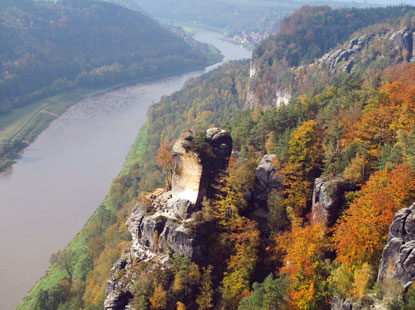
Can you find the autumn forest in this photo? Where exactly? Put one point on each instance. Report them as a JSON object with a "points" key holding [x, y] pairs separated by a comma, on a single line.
{"points": [[339, 163]]}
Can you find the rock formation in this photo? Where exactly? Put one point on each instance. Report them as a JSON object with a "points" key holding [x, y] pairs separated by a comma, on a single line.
{"points": [[398, 257], [281, 97], [252, 69], [332, 59], [328, 199], [194, 171], [403, 40], [251, 99], [163, 223], [346, 304], [266, 180]]}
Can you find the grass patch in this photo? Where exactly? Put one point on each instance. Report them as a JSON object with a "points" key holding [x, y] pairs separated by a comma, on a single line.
{"points": [[214, 55], [79, 244], [191, 27], [21, 126], [137, 150], [189, 30], [22, 119]]}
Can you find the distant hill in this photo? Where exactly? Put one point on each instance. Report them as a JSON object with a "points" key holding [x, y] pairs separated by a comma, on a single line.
{"points": [[48, 47], [236, 17], [306, 35]]}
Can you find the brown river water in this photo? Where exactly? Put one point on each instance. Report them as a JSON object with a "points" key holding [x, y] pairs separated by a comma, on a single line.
{"points": [[60, 179]]}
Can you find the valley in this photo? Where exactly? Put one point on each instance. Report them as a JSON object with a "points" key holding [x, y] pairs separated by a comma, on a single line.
{"points": [[62, 177]]}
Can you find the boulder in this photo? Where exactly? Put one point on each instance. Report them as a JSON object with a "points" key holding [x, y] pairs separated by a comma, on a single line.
{"points": [[398, 257]]}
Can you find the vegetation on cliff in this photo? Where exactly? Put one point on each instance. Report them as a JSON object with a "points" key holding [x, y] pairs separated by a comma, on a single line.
{"points": [[104, 236], [356, 126], [307, 35]]}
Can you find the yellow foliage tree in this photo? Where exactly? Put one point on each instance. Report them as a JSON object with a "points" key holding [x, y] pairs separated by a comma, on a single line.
{"points": [[159, 298], [362, 277], [305, 161]]}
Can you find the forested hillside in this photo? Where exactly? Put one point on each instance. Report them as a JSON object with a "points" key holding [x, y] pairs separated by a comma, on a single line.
{"points": [[47, 48], [250, 21], [301, 216], [307, 35]]}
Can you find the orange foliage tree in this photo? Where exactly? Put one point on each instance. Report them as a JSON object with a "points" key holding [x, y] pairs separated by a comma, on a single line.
{"points": [[303, 248], [164, 160], [387, 111], [401, 92], [361, 233]]}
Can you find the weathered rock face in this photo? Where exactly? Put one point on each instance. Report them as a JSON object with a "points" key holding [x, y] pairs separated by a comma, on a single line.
{"points": [[328, 198], [266, 180], [398, 257], [281, 97], [163, 224], [118, 292], [332, 59], [403, 40], [251, 99], [346, 304], [252, 69], [194, 172]]}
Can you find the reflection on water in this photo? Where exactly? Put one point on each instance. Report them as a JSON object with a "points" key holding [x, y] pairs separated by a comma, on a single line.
{"points": [[47, 196]]}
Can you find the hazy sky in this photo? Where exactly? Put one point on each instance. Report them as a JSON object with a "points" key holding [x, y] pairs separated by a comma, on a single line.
{"points": [[390, 2]]}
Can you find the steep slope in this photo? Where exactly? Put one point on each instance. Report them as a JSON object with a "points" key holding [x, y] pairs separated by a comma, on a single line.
{"points": [[204, 101], [305, 36], [335, 164]]}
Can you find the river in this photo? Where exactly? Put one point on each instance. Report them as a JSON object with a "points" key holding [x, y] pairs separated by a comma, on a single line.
{"points": [[48, 195]]}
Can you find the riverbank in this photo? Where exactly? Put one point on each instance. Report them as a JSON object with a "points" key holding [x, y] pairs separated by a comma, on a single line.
{"points": [[21, 126]]}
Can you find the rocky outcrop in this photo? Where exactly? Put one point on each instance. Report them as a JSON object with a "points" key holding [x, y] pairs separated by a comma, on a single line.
{"points": [[266, 180], [252, 69], [403, 40], [194, 170], [164, 221], [332, 59], [346, 304], [281, 97], [118, 292], [251, 99], [398, 258], [328, 199]]}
